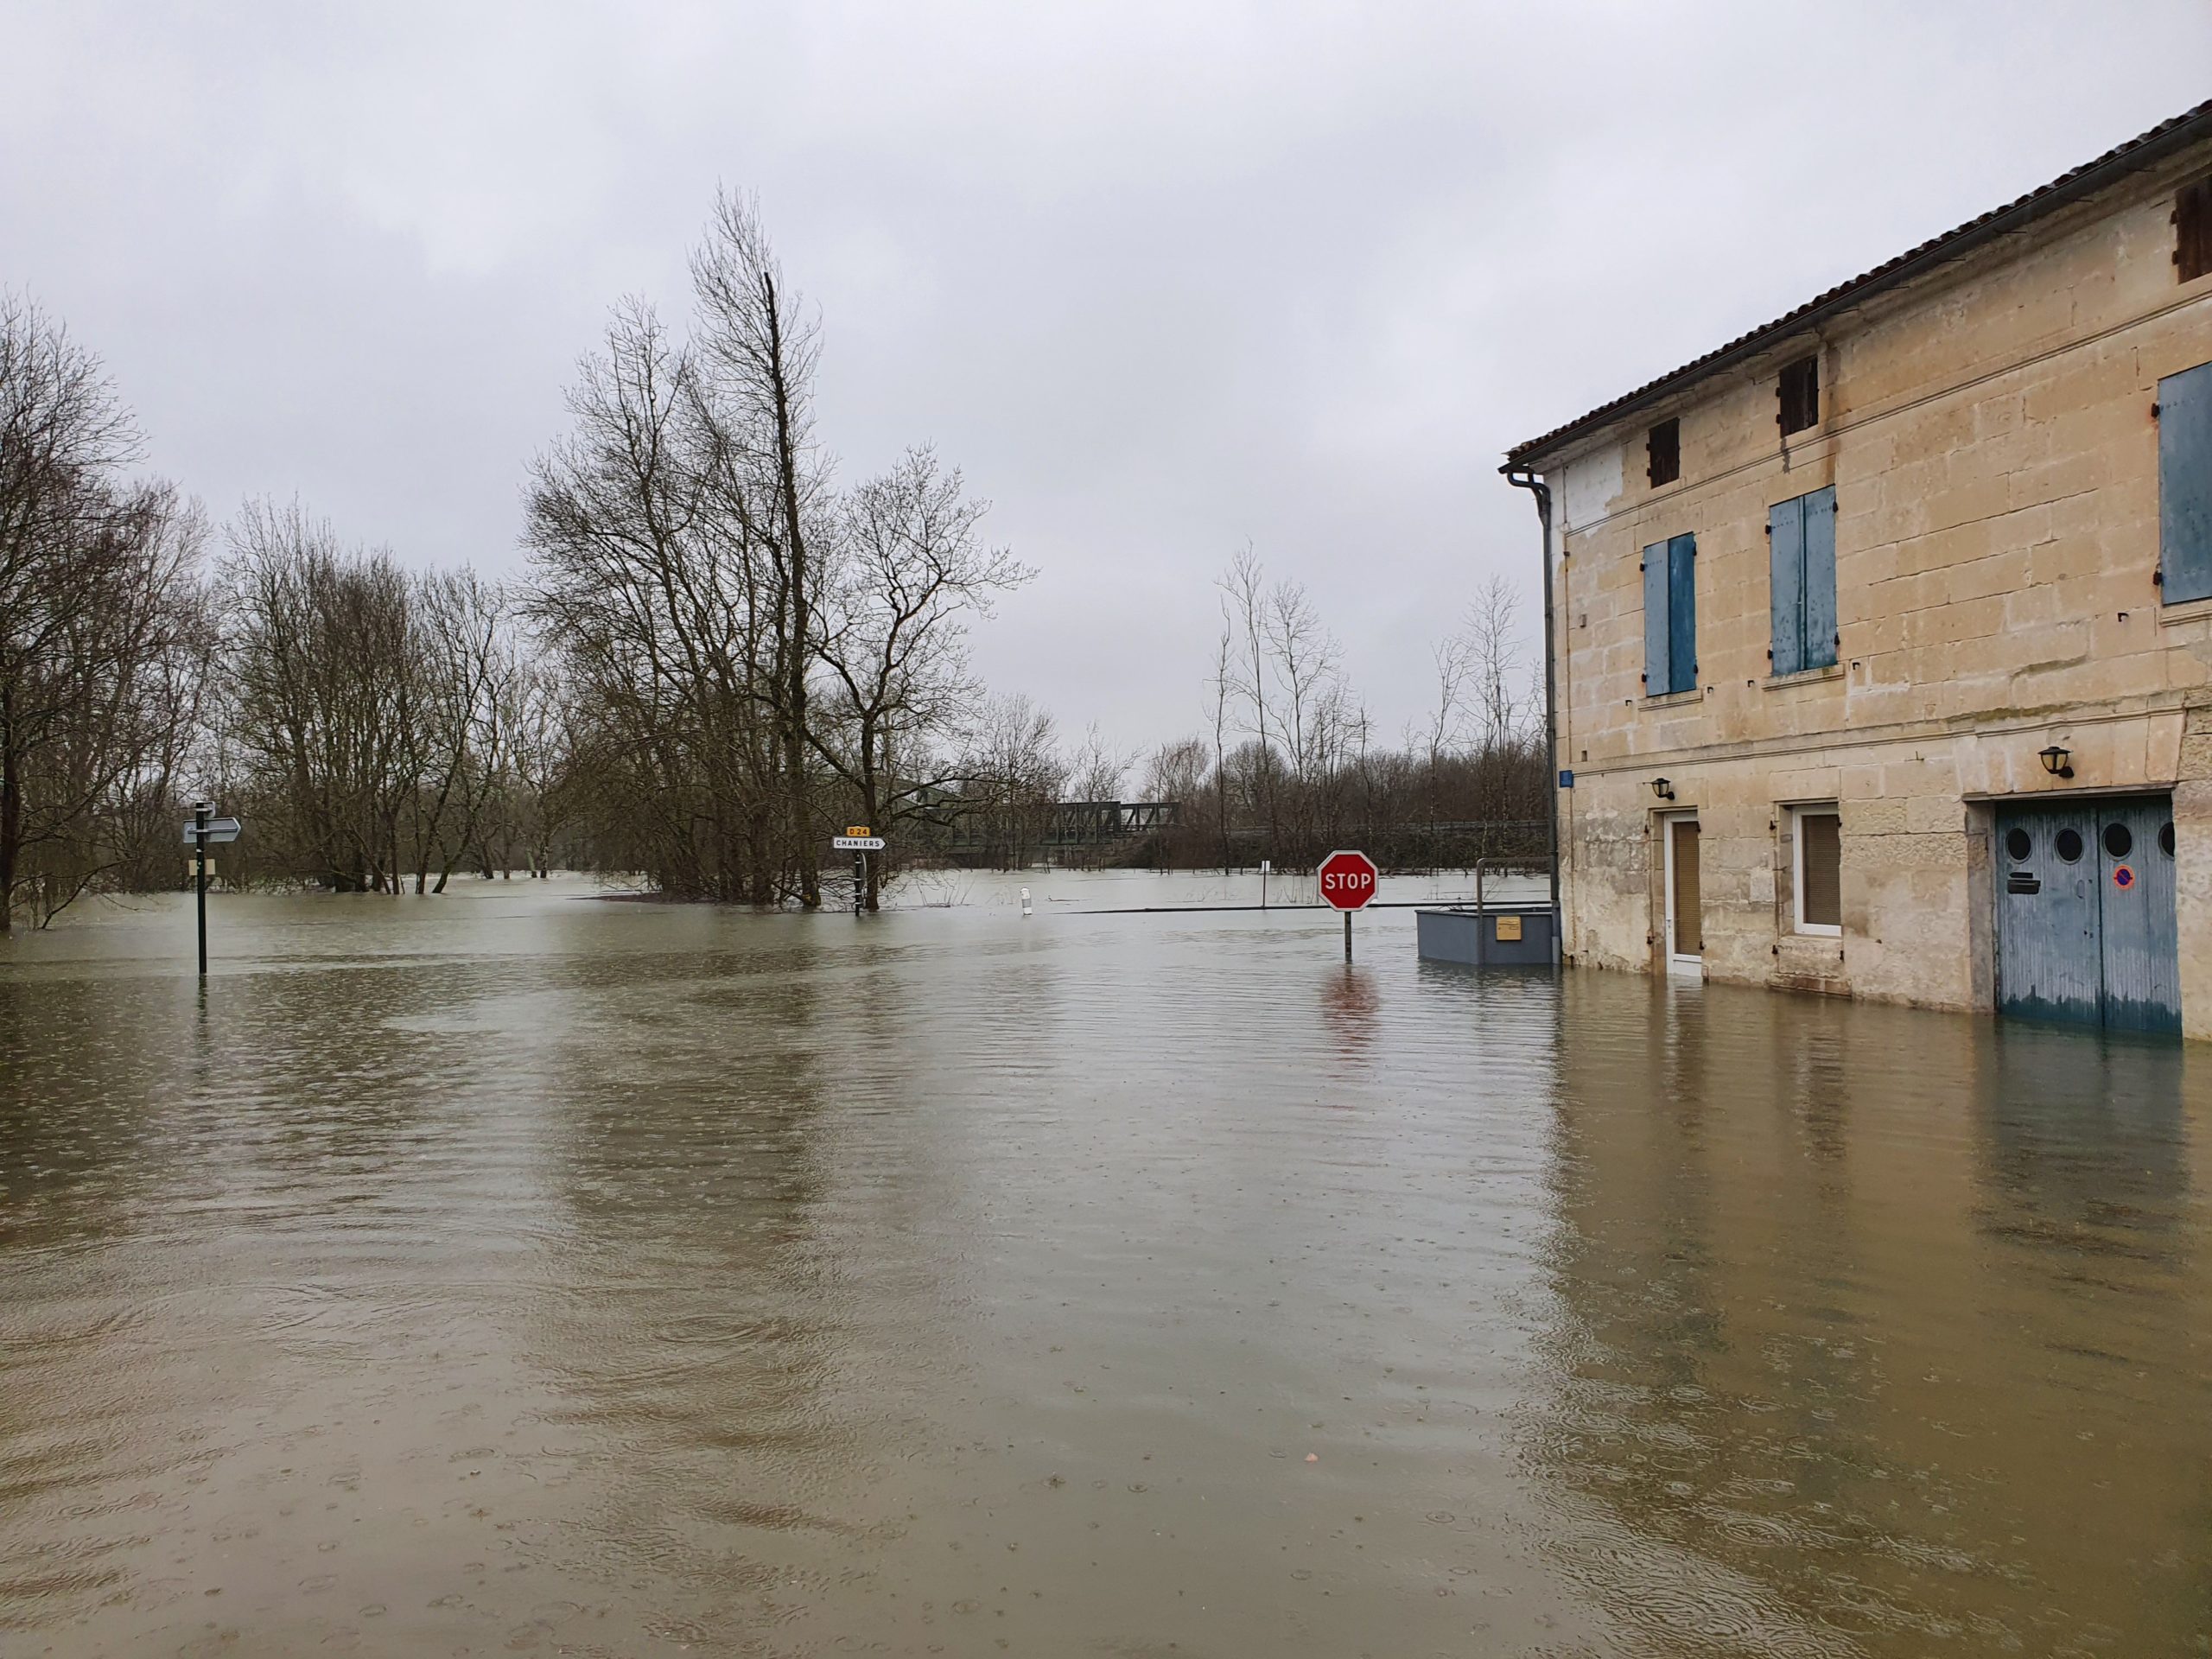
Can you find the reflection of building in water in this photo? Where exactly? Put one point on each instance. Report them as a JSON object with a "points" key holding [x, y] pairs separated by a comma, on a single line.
{"points": [[1877, 1321]]}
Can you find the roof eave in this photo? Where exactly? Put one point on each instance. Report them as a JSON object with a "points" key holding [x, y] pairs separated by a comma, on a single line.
{"points": [[2137, 154]]}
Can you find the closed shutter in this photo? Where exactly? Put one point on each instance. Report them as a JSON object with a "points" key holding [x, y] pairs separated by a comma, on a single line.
{"points": [[1681, 612], [1689, 899], [2185, 484], [1785, 531], [1820, 579], [1822, 879], [2193, 231], [1658, 680]]}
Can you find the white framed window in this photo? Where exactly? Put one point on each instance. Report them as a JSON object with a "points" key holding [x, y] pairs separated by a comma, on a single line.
{"points": [[1817, 869]]}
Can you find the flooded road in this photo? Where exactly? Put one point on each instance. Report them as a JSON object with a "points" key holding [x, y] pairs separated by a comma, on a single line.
{"points": [[514, 1271]]}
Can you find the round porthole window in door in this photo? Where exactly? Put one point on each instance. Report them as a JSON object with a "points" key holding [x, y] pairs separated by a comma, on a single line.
{"points": [[2119, 840], [2067, 843], [2166, 838], [2018, 846]]}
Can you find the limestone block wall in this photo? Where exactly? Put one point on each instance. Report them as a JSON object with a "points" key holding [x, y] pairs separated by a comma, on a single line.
{"points": [[1918, 901], [1911, 850]]}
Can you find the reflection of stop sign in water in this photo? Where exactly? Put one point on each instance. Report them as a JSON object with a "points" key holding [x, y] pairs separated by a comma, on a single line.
{"points": [[1348, 880]]}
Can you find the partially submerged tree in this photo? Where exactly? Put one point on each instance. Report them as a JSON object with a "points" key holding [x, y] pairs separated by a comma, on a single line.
{"points": [[757, 351], [909, 570], [654, 587], [103, 629], [1014, 776], [365, 705]]}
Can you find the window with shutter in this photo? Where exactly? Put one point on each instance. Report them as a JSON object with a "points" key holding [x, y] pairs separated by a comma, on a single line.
{"points": [[1658, 673], [1670, 616], [2193, 231], [1820, 579], [1801, 558], [2185, 485], [1681, 612], [1663, 449], [1798, 392], [1785, 548], [1819, 858]]}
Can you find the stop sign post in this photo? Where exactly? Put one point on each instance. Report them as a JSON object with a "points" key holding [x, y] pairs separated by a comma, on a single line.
{"points": [[1347, 881]]}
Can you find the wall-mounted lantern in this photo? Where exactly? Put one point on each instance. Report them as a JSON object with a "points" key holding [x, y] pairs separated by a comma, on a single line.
{"points": [[2058, 761], [1662, 789]]}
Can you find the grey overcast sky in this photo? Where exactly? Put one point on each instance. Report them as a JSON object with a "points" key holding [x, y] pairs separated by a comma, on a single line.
{"points": [[1159, 277]]}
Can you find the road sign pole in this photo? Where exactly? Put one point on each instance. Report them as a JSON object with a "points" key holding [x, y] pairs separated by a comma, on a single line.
{"points": [[201, 814], [1347, 879], [857, 842]]}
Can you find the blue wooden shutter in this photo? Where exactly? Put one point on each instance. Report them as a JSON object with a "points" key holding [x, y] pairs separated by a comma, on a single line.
{"points": [[1658, 680], [1820, 579], [1785, 535], [1681, 612], [2185, 484]]}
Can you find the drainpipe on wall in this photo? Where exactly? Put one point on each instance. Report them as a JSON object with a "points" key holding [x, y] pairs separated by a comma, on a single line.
{"points": [[1522, 479]]}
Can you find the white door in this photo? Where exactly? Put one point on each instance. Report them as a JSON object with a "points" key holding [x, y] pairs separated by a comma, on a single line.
{"points": [[1685, 937]]}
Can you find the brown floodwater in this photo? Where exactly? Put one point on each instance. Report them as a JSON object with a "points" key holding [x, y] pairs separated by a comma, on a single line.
{"points": [[518, 1272]]}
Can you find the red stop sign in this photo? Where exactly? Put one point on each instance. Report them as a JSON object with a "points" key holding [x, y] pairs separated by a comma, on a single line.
{"points": [[1348, 880]]}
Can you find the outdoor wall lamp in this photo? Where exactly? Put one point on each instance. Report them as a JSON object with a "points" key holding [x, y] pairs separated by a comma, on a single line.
{"points": [[1662, 789], [2058, 762]]}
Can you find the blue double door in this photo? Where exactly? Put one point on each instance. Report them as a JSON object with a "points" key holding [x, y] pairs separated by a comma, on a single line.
{"points": [[2085, 913]]}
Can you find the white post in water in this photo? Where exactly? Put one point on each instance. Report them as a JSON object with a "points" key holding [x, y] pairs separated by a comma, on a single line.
{"points": [[1024, 901], [1266, 866]]}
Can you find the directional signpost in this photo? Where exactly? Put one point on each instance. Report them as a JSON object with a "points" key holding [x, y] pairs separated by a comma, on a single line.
{"points": [[1348, 882], [857, 842], [202, 830]]}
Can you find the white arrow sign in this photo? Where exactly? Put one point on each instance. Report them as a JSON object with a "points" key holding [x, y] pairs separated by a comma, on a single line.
{"points": [[217, 829], [857, 843]]}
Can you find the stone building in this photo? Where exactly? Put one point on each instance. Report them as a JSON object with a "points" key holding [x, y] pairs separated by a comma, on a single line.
{"points": [[1883, 634]]}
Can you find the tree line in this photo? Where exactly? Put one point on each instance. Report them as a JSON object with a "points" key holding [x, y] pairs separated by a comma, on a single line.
{"points": [[1290, 765], [717, 654]]}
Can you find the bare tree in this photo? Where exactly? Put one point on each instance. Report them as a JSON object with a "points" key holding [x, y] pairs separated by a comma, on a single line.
{"points": [[758, 350], [1014, 775], [909, 570], [1242, 668], [103, 629], [1176, 772], [536, 801], [1097, 769], [744, 651], [1278, 679], [325, 691], [1221, 685], [1312, 712], [652, 587], [1496, 660], [459, 735], [1445, 721]]}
